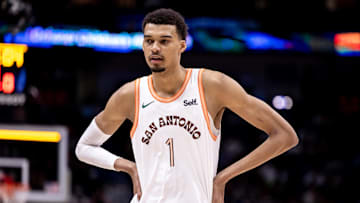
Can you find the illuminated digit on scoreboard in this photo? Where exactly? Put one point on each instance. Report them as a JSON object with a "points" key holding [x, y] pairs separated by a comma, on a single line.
{"points": [[8, 83], [8, 57], [10, 54]]}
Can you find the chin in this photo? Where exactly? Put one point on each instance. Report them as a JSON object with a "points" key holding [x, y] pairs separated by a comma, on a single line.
{"points": [[157, 69]]}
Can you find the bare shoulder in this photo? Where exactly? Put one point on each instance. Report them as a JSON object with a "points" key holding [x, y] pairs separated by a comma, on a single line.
{"points": [[212, 78], [125, 92], [222, 88], [121, 103], [218, 82], [120, 106]]}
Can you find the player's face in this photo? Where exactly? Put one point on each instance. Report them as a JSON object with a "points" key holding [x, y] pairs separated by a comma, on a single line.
{"points": [[162, 47]]}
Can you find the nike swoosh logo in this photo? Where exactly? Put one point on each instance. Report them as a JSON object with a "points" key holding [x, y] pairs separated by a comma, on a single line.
{"points": [[145, 105]]}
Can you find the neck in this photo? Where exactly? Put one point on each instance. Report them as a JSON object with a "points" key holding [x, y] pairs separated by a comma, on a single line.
{"points": [[167, 83]]}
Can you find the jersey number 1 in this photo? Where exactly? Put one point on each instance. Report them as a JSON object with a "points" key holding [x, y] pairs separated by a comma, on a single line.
{"points": [[170, 142]]}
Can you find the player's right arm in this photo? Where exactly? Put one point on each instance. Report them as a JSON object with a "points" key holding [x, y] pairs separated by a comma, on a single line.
{"points": [[121, 106]]}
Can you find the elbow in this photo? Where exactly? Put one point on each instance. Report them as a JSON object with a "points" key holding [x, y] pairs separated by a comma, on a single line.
{"points": [[294, 140], [286, 139], [291, 140]]}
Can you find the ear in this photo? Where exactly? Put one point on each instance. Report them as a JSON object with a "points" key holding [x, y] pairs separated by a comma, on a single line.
{"points": [[182, 46]]}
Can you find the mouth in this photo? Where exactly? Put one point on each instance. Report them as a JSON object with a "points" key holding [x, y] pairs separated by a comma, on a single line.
{"points": [[156, 59]]}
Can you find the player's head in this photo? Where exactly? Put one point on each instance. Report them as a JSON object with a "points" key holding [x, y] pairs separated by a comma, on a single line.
{"points": [[165, 32]]}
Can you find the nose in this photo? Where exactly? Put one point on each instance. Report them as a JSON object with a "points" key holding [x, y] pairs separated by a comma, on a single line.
{"points": [[155, 48]]}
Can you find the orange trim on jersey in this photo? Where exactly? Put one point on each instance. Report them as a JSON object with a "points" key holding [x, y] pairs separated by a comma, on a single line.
{"points": [[178, 93], [203, 104], [136, 117]]}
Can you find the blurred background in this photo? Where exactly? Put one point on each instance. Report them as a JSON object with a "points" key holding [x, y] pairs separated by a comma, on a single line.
{"points": [[300, 57]]}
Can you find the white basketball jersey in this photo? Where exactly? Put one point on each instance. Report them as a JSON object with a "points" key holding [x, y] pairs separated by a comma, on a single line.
{"points": [[175, 143]]}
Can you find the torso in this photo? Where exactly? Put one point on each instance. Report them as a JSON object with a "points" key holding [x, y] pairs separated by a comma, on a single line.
{"points": [[175, 143]]}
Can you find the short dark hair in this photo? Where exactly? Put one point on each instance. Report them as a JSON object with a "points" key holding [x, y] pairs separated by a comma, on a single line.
{"points": [[167, 16]]}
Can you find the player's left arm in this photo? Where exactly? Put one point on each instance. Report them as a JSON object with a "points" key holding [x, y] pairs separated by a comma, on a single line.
{"points": [[229, 94]]}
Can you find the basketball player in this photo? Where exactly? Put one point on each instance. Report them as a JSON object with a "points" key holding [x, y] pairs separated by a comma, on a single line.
{"points": [[176, 114]]}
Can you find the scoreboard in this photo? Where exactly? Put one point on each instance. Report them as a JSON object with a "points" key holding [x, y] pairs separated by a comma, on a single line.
{"points": [[12, 74]]}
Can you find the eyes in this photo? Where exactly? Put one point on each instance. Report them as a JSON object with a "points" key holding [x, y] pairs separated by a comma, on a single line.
{"points": [[151, 41]]}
